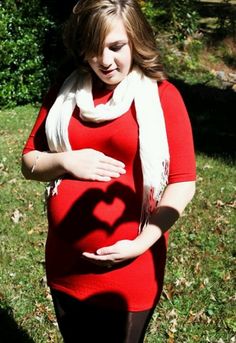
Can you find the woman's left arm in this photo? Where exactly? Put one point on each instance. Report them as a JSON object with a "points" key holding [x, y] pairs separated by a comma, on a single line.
{"points": [[179, 191], [174, 200]]}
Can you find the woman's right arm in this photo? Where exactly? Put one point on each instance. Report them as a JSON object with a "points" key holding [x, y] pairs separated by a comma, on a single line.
{"points": [[84, 164], [87, 164], [42, 166]]}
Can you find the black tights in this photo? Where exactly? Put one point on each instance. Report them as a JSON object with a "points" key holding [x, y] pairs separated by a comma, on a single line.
{"points": [[85, 323]]}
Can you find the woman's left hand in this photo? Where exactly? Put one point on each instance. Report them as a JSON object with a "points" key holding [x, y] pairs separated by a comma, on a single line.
{"points": [[111, 255]]}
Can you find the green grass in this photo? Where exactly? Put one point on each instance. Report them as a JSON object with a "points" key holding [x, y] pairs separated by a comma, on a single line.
{"points": [[198, 302]]}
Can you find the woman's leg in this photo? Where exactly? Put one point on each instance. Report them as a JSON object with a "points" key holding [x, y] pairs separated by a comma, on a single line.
{"points": [[137, 325], [80, 322]]}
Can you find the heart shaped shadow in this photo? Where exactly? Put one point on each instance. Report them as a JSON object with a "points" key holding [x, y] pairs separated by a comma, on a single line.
{"points": [[87, 214]]}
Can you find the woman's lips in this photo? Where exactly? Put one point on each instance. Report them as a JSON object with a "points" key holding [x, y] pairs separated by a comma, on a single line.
{"points": [[107, 72]]}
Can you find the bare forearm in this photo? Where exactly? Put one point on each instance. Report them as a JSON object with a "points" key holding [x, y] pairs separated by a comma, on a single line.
{"points": [[42, 166], [84, 164], [175, 199]]}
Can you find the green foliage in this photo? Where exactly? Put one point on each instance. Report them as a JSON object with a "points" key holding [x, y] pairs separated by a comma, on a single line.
{"points": [[152, 13], [185, 23], [226, 19], [179, 17], [182, 60], [28, 65], [23, 75]]}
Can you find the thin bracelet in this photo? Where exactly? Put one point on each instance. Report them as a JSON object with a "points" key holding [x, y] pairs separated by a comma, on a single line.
{"points": [[35, 162]]}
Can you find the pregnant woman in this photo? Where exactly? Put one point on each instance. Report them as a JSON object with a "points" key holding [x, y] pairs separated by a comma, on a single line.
{"points": [[115, 142]]}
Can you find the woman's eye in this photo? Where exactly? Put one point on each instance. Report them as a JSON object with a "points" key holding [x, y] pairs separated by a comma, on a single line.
{"points": [[117, 47]]}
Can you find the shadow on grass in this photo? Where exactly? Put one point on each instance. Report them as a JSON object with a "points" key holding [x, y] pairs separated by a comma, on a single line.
{"points": [[212, 114], [10, 332]]}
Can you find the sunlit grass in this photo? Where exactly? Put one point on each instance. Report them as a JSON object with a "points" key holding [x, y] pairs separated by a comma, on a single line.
{"points": [[198, 302]]}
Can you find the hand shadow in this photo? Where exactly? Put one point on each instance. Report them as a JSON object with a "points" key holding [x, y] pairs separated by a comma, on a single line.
{"points": [[81, 219]]}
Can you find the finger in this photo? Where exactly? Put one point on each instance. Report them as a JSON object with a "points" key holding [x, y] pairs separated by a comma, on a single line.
{"points": [[107, 173], [113, 161], [111, 168], [106, 250], [91, 256], [101, 178], [99, 260], [94, 257]]}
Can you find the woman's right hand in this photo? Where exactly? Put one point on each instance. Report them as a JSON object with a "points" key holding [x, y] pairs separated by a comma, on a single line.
{"points": [[90, 164], [85, 164]]}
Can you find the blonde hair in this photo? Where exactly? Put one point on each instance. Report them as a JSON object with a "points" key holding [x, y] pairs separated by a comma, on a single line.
{"points": [[92, 19]]}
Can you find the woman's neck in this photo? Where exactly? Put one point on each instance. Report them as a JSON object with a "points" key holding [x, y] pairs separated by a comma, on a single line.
{"points": [[98, 84]]}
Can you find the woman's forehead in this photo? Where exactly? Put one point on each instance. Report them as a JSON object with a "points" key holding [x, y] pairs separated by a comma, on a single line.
{"points": [[117, 33]]}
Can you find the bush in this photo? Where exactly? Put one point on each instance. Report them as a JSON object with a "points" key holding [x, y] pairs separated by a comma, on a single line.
{"points": [[178, 17], [23, 75], [152, 13]]}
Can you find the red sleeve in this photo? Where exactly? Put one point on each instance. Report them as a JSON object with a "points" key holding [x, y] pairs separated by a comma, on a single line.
{"points": [[179, 134], [37, 139]]}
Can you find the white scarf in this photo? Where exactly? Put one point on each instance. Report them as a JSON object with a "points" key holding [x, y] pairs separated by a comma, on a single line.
{"points": [[154, 152]]}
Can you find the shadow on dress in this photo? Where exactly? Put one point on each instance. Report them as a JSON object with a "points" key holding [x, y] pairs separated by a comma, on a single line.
{"points": [[81, 221], [89, 320], [83, 211]]}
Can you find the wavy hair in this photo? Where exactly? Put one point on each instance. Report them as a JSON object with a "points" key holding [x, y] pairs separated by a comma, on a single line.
{"points": [[92, 19]]}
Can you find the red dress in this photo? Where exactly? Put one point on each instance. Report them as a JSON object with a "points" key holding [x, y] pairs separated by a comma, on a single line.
{"points": [[86, 215]]}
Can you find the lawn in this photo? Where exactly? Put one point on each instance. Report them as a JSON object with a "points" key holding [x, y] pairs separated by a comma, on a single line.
{"points": [[198, 301]]}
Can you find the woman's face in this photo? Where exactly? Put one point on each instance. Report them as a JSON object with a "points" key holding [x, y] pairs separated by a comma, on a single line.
{"points": [[115, 62]]}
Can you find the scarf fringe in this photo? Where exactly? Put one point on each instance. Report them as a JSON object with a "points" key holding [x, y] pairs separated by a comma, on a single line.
{"points": [[150, 201]]}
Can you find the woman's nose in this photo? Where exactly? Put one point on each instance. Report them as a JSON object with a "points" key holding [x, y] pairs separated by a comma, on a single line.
{"points": [[105, 59]]}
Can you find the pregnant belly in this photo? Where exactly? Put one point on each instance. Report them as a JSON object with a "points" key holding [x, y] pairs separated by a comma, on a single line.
{"points": [[89, 215]]}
